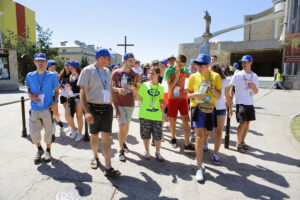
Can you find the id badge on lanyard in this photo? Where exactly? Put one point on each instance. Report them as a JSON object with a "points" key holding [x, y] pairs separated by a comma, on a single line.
{"points": [[106, 96]]}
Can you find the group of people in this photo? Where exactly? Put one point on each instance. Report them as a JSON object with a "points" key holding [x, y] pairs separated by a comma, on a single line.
{"points": [[201, 93]]}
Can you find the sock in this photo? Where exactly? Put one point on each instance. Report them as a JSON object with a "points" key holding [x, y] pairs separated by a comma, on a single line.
{"points": [[40, 148], [48, 149]]}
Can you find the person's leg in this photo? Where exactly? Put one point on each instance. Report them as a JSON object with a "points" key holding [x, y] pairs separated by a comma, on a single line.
{"points": [[280, 85], [274, 84], [95, 144], [206, 135], [123, 133], [218, 133], [239, 132], [147, 145], [199, 144], [186, 129], [69, 118], [172, 127], [245, 131], [79, 117], [106, 149]]}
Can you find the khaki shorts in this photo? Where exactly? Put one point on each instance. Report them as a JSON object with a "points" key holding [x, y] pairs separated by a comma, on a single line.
{"points": [[38, 120], [125, 114]]}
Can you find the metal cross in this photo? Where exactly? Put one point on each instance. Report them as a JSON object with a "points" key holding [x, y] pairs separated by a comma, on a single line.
{"points": [[125, 45]]}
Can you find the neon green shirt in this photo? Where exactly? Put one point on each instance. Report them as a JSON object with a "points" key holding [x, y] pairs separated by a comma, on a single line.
{"points": [[278, 76], [151, 95]]}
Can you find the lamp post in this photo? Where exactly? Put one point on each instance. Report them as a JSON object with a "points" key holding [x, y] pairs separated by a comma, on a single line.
{"points": [[1, 41]]}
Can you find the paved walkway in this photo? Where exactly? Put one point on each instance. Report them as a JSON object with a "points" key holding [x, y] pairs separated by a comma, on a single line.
{"points": [[269, 170]]}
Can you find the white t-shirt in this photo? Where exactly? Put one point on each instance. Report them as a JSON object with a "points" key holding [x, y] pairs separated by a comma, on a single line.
{"points": [[138, 70], [242, 94], [221, 102]]}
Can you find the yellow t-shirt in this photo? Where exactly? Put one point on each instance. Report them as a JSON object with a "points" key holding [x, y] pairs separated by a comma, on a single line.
{"points": [[195, 82]]}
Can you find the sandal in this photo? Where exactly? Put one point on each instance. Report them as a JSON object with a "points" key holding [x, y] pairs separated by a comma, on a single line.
{"points": [[240, 148], [159, 157], [245, 146], [112, 172], [95, 163]]}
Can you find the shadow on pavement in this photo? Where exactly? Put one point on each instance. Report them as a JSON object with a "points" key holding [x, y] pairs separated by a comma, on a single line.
{"points": [[139, 189], [249, 131], [61, 172], [242, 184], [167, 168]]}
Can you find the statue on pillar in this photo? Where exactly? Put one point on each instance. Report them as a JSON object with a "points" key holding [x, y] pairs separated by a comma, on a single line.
{"points": [[207, 18]]}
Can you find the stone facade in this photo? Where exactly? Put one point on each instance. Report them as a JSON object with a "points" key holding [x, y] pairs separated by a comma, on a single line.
{"points": [[13, 82]]}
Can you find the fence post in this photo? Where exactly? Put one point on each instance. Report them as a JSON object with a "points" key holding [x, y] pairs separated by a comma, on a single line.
{"points": [[227, 135], [24, 131], [86, 132]]}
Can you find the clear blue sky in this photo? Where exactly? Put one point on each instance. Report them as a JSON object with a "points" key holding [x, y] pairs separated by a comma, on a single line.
{"points": [[156, 27]]}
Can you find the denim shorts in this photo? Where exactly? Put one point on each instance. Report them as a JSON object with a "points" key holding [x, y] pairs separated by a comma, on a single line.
{"points": [[221, 112], [204, 120]]}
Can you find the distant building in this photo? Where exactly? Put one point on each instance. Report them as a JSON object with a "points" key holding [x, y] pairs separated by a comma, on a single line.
{"points": [[78, 50], [17, 18]]}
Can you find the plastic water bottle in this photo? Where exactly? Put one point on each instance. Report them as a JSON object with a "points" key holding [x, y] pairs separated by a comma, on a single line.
{"points": [[124, 82], [202, 90]]}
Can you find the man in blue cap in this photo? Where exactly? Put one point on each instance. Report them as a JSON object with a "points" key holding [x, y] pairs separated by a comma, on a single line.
{"points": [[246, 86], [95, 96], [204, 87], [124, 80], [236, 67], [41, 84]]}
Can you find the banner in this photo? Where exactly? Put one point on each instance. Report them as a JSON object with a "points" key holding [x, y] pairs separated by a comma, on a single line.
{"points": [[292, 48]]}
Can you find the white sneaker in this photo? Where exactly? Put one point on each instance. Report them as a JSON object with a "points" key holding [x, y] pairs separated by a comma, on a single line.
{"points": [[73, 134], [78, 137], [47, 156], [200, 175]]}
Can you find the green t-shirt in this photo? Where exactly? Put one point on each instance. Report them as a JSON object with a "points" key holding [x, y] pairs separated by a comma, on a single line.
{"points": [[278, 77], [151, 96]]}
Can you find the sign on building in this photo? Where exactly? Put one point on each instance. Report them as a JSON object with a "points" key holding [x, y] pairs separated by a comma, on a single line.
{"points": [[292, 48]]}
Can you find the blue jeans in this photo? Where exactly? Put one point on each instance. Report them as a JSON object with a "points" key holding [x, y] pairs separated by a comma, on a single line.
{"points": [[279, 84]]}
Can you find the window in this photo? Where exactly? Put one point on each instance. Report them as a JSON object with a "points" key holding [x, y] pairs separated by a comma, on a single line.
{"points": [[67, 59], [64, 50], [63, 58]]}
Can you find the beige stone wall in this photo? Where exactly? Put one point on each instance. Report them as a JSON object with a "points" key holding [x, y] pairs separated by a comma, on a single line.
{"points": [[13, 82], [260, 31]]}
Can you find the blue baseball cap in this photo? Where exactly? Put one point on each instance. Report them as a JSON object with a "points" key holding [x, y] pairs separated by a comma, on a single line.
{"points": [[165, 61], [51, 63], [236, 65], [112, 66], [40, 56], [203, 58], [102, 52], [118, 64], [247, 58], [74, 64], [128, 55], [192, 60]]}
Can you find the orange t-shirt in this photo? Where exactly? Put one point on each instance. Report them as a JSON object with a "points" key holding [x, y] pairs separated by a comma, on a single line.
{"points": [[182, 94]]}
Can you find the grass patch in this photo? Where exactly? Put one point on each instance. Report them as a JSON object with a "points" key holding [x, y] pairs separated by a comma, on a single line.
{"points": [[295, 127]]}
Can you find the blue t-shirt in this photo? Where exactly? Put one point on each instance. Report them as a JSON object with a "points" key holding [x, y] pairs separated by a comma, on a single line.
{"points": [[42, 84]]}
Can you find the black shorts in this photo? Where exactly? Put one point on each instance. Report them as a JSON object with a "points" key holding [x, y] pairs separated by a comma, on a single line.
{"points": [[63, 99], [102, 122], [245, 113]]}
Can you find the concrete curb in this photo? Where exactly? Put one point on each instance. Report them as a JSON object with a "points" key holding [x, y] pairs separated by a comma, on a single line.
{"points": [[289, 133]]}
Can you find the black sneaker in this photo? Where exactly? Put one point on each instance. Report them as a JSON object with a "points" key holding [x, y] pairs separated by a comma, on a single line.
{"points": [[122, 155], [173, 142], [189, 148], [60, 124], [125, 148], [37, 158]]}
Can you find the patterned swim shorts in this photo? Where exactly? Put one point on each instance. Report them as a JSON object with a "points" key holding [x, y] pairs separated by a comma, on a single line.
{"points": [[148, 127]]}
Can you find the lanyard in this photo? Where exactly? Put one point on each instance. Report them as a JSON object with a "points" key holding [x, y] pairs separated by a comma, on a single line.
{"points": [[105, 77], [153, 95], [178, 78], [40, 83], [245, 77]]}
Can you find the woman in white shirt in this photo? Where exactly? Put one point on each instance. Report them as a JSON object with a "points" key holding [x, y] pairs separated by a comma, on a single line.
{"points": [[223, 104]]}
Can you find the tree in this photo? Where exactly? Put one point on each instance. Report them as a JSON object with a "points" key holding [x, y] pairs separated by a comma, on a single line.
{"points": [[59, 63], [26, 49], [83, 62]]}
